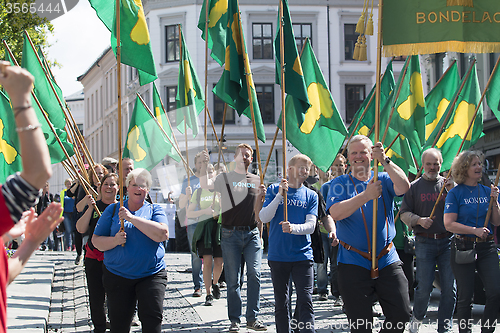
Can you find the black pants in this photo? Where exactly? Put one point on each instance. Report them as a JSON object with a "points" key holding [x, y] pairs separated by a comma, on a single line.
{"points": [[407, 260], [93, 271], [358, 289], [123, 294], [78, 242]]}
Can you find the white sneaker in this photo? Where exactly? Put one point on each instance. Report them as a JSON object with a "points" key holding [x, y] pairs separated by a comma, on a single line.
{"points": [[414, 325]]}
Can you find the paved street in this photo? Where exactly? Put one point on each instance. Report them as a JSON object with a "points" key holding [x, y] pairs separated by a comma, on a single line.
{"points": [[64, 306]]}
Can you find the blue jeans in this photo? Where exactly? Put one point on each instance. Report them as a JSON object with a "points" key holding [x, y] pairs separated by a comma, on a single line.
{"points": [[195, 260], [69, 229], [330, 255], [430, 252], [486, 265], [234, 243], [303, 277]]}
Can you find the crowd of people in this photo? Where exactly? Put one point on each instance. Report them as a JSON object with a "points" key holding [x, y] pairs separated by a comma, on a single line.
{"points": [[327, 224]]}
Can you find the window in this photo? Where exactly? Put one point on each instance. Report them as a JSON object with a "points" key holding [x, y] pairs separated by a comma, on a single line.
{"points": [[354, 97], [265, 96], [439, 65], [350, 38], [400, 58], [172, 43], [219, 112], [171, 105], [301, 32], [262, 40]]}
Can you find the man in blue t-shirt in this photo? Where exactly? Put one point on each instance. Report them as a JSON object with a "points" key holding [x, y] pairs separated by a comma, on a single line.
{"points": [[290, 252], [350, 203]]}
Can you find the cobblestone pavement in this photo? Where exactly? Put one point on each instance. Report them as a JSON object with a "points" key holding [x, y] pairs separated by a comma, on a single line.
{"points": [[69, 308]]}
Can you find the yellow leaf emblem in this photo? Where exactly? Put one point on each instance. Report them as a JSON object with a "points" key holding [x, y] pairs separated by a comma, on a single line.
{"points": [[140, 33], [461, 120], [9, 152], [158, 115], [443, 105], [219, 9], [138, 154], [297, 67], [188, 82], [321, 104], [364, 130], [415, 98]]}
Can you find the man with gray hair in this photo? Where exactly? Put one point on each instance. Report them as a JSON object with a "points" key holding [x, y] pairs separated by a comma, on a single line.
{"points": [[432, 245], [350, 203]]}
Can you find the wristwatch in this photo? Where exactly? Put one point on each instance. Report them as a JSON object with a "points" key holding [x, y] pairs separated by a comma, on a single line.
{"points": [[387, 160]]}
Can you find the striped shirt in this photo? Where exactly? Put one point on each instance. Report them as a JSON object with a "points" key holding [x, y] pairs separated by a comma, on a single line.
{"points": [[19, 195]]}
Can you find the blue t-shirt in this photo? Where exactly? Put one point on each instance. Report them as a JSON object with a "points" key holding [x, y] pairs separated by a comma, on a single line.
{"points": [[325, 188], [141, 256], [463, 201], [284, 246], [352, 231], [195, 184]]}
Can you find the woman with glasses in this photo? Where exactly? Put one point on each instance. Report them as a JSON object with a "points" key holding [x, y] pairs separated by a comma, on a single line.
{"points": [[93, 257], [134, 269]]}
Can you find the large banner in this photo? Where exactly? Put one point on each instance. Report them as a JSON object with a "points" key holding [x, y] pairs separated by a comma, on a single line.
{"points": [[432, 26]]}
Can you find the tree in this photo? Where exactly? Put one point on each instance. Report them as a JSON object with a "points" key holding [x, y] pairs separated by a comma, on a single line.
{"points": [[13, 24]]}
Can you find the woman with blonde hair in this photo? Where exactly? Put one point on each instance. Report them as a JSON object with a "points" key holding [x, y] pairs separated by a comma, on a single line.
{"points": [[473, 247]]}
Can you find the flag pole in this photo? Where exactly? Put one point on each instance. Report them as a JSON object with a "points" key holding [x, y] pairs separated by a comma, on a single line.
{"points": [[374, 270], [186, 166], [283, 114], [219, 154], [207, 6], [71, 129], [119, 91], [270, 151], [185, 123], [405, 71], [248, 80]]}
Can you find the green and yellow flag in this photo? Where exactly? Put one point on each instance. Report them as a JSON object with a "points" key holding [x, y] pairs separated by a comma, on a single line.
{"points": [[10, 160], [430, 26], [438, 99], [190, 99], [409, 109], [294, 77], [134, 34], [161, 116], [232, 86], [217, 23], [146, 144], [461, 115], [322, 132], [493, 94]]}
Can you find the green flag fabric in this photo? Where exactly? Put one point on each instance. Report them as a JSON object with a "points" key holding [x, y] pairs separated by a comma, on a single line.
{"points": [[409, 109], [493, 94], [438, 99], [146, 144], [161, 116], [454, 130], [294, 78], [232, 86], [190, 99], [134, 35], [322, 132], [42, 88], [430, 26], [217, 23], [10, 160]]}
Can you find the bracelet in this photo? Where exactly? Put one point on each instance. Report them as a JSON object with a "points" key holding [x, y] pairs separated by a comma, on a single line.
{"points": [[19, 109], [28, 128]]}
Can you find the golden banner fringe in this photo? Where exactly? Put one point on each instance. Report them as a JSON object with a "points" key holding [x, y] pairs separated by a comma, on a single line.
{"points": [[448, 46], [468, 3]]}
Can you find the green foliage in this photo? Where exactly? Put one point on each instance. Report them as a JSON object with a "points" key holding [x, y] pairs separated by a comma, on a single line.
{"points": [[13, 24]]}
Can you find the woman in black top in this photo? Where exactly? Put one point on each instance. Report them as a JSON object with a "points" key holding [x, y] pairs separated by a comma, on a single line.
{"points": [[93, 257]]}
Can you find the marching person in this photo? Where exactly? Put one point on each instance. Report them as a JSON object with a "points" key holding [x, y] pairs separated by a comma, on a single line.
{"points": [[432, 242], [465, 214], [350, 202]]}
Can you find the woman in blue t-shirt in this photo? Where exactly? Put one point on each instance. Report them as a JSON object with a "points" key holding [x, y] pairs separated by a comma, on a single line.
{"points": [[134, 268], [465, 215]]}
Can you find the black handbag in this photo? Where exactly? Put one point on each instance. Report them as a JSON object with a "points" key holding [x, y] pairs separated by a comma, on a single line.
{"points": [[464, 254]]}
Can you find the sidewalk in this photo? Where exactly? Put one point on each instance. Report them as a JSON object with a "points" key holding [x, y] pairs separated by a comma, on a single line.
{"points": [[51, 296]]}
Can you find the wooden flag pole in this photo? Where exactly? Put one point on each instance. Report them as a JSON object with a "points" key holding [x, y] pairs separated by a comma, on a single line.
{"points": [[207, 5], [219, 154], [185, 123], [270, 151], [248, 80], [405, 70], [92, 166], [374, 268], [186, 166], [283, 114], [119, 96]]}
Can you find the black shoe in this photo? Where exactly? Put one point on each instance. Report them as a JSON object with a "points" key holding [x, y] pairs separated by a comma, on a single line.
{"points": [[78, 259], [216, 291], [209, 300]]}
